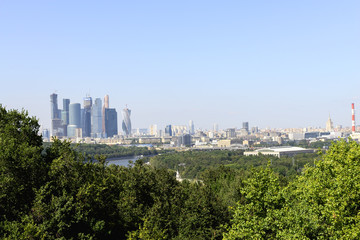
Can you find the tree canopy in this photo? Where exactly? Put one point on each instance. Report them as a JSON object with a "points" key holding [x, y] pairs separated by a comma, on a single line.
{"points": [[54, 192]]}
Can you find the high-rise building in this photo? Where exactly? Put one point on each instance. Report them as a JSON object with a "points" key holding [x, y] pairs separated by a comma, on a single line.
{"points": [[65, 115], [54, 106], [245, 125], [216, 127], [184, 140], [111, 122], [126, 123], [191, 127], [153, 130], [96, 119], [230, 133], [74, 119], [329, 125], [87, 117], [57, 129], [106, 105], [168, 131]]}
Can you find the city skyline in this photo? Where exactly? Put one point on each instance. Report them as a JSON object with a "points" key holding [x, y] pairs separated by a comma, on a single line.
{"points": [[278, 65]]}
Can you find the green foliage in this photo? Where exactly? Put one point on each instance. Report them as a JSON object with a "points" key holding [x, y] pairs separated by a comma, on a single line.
{"points": [[113, 151], [21, 165], [192, 164], [322, 203], [254, 216], [58, 193]]}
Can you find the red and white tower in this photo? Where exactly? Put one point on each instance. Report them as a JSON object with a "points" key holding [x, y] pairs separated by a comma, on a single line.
{"points": [[353, 117]]}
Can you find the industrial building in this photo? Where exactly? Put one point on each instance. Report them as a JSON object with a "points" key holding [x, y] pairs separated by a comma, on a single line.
{"points": [[279, 151]]}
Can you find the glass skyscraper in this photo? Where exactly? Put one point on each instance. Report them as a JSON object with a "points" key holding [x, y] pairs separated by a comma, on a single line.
{"points": [[57, 129], [74, 119], [96, 119], [126, 123], [87, 117], [111, 122]]}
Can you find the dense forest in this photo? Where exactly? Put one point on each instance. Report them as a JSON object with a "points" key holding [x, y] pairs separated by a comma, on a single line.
{"points": [[193, 164], [111, 151], [53, 192]]}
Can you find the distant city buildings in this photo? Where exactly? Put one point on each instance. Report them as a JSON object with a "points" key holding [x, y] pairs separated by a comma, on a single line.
{"points": [[111, 122], [191, 127], [93, 120], [96, 122], [329, 125], [126, 123]]}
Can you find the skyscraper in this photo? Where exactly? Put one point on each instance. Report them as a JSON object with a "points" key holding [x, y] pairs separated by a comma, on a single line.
{"points": [[168, 131], [87, 116], [54, 106], [191, 127], [65, 115], [153, 129], [106, 105], [74, 119], [96, 119], [329, 125], [245, 125], [111, 122], [216, 127], [57, 129], [126, 123]]}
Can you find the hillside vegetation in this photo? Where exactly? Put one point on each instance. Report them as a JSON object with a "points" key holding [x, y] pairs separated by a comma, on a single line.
{"points": [[55, 193]]}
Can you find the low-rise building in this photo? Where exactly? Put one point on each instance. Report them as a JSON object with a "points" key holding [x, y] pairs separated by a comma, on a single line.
{"points": [[279, 151]]}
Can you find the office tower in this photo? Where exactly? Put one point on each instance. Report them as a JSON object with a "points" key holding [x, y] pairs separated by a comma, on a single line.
{"points": [[184, 140], [106, 105], [254, 130], [216, 127], [65, 115], [153, 130], [87, 117], [126, 123], [230, 133], [96, 119], [111, 122], [74, 119], [54, 106], [168, 131], [245, 125], [56, 125], [191, 127]]}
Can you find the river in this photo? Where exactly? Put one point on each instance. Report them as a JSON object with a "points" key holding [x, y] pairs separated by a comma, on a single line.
{"points": [[124, 161]]}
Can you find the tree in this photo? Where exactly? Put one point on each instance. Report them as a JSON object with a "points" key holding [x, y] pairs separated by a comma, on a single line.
{"points": [[22, 168], [254, 217]]}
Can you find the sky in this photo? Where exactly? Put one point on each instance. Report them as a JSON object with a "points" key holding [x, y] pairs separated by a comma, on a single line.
{"points": [[276, 64]]}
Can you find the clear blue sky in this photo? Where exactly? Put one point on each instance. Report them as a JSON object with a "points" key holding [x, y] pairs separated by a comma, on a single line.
{"points": [[271, 63]]}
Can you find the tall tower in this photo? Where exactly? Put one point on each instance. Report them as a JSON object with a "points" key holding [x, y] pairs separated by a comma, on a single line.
{"points": [[353, 117], [191, 127], [168, 131], [329, 125], [87, 116], [65, 114], [54, 106], [106, 105], [245, 125], [111, 122], [74, 119], [57, 129], [126, 123], [96, 119]]}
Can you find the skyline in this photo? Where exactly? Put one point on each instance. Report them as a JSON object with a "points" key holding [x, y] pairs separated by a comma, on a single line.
{"points": [[278, 65]]}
